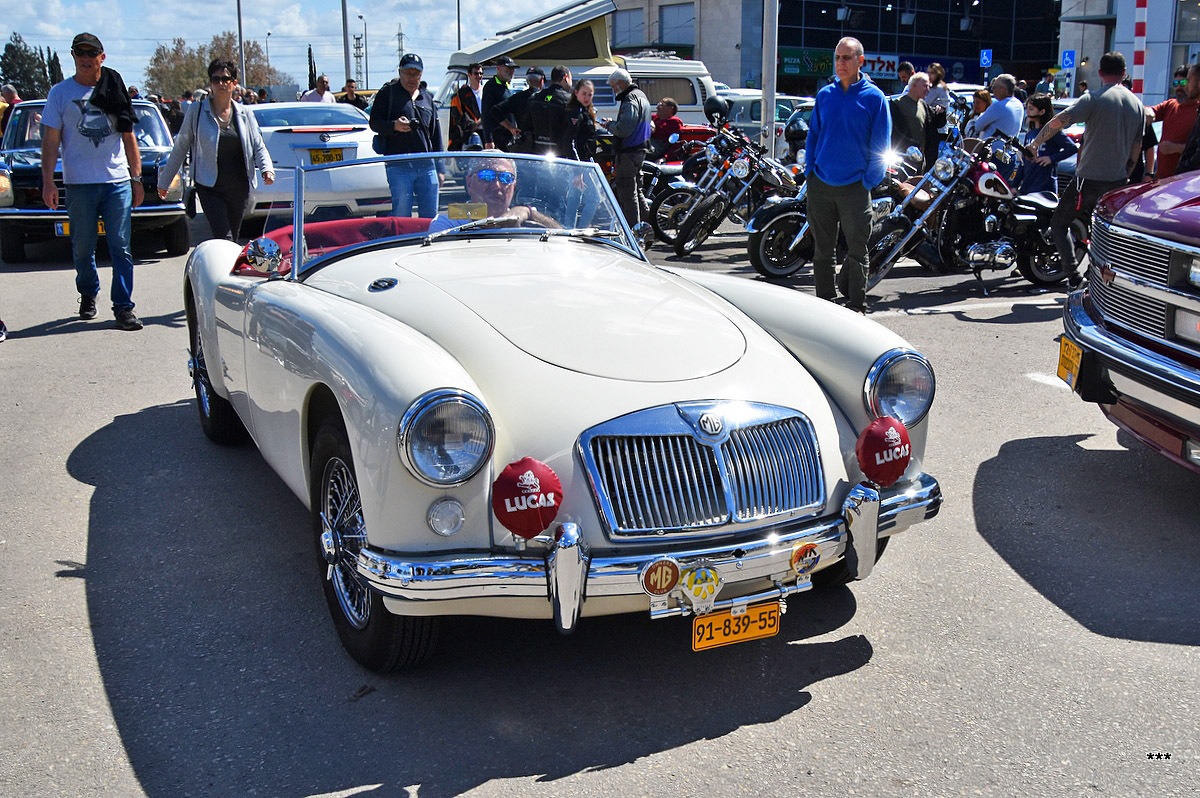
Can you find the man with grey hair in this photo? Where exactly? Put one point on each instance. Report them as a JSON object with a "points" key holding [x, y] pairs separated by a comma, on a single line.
{"points": [[915, 123], [631, 132], [1006, 112], [10, 95]]}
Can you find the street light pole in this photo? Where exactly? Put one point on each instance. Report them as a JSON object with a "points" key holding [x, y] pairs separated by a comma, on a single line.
{"points": [[346, 38], [366, 56], [269, 62]]}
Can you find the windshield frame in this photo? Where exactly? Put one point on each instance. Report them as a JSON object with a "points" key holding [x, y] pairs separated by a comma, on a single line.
{"points": [[303, 264]]}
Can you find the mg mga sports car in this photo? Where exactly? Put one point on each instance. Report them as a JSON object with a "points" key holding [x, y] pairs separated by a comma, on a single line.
{"points": [[24, 217], [505, 410]]}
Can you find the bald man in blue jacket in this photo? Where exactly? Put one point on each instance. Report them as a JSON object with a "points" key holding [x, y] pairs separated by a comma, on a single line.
{"points": [[847, 137]]}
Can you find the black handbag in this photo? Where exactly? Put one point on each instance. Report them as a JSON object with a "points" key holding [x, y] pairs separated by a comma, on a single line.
{"points": [[189, 202]]}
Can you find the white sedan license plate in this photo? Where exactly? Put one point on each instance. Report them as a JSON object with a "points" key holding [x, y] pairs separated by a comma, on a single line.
{"points": [[724, 628], [64, 228], [325, 156], [1070, 356]]}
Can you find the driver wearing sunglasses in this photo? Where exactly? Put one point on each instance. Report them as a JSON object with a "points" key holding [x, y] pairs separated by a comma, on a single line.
{"points": [[493, 182]]}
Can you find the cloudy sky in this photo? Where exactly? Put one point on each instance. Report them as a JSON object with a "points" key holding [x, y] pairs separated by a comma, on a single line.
{"points": [[131, 29]]}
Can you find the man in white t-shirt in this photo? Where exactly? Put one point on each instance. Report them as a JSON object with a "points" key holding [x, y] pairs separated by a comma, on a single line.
{"points": [[321, 94], [91, 116]]}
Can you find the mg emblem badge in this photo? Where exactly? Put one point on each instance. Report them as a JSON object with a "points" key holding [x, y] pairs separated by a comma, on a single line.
{"points": [[660, 577], [711, 424]]}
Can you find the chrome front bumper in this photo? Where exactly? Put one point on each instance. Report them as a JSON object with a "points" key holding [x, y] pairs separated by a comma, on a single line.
{"points": [[565, 574]]}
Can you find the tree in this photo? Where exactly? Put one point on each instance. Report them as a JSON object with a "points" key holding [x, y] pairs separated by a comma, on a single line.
{"points": [[56, 73], [24, 68], [312, 70], [177, 68]]}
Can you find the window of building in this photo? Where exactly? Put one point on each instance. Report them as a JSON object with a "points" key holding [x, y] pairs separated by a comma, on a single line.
{"points": [[628, 28], [677, 24]]}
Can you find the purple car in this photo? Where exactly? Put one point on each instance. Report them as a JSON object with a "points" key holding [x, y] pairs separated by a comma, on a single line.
{"points": [[1132, 337]]}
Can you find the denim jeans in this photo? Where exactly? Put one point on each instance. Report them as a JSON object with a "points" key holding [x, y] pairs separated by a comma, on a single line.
{"points": [[409, 179], [581, 204], [86, 204]]}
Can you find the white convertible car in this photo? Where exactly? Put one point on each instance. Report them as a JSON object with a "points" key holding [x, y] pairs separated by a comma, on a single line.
{"points": [[507, 411]]}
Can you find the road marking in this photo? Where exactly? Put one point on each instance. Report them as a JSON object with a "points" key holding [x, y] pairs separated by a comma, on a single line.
{"points": [[1048, 379]]}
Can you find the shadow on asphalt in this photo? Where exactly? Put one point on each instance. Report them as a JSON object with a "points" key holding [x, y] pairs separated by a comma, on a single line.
{"points": [[225, 675], [1106, 552]]}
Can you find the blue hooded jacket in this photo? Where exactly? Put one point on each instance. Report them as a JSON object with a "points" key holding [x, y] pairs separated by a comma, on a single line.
{"points": [[848, 134]]}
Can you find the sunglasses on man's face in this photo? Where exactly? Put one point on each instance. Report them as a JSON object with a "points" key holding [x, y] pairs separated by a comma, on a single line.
{"points": [[221, 79], [491, 175], [1179, 82], [86, 52]]}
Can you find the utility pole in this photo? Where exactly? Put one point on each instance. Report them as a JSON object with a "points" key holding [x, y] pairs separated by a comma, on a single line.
{"points": [[358, 54], [769, 51], [399, 44], [345, 41]]}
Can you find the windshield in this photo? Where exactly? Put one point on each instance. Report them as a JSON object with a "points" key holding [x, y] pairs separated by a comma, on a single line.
{"points": [[24, 129], [274, 115], [482, 195]]}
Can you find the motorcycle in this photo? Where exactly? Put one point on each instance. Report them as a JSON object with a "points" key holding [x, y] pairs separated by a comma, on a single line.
{"points": [[976, 220], [676, 160], [780, 243]]}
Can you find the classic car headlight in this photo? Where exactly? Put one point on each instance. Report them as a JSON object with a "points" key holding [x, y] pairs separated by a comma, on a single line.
{"points": [[740, 168], [943, 169], [900, 385], [6, 190], [445, 437], [1193, 268]]}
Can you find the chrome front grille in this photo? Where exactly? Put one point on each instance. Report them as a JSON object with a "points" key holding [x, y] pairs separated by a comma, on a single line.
{"points": [[1138, 256], [665, 472]]}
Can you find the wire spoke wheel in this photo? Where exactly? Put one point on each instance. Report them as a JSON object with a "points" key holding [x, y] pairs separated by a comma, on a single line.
{"points": [[342, 517]]}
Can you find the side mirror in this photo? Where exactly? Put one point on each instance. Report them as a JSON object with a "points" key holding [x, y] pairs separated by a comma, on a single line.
{"points": [[644, 234], [673, 138], [264, 255]]}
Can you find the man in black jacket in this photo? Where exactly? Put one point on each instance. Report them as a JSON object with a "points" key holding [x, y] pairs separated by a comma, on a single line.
{"points": [[513, 113], [406, 120], [915, 123], [548, 112], [496, 91]]}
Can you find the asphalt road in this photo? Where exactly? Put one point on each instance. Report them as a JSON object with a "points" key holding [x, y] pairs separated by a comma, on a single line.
{"points": [[164, 630]]}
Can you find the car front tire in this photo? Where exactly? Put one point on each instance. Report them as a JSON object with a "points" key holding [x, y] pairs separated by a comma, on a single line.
{"points": [[377, 639], [177, 237], [218, 419], [12, 244]]}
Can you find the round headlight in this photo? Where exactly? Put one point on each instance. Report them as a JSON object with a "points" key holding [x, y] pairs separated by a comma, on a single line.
{"points": [[713, 153], [740, 168], [445, 437], [900, 385], [943, 169]]}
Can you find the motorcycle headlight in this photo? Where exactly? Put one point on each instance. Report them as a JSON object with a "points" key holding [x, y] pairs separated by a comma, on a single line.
{"points": [[900, 385], [801, 159], [6, 190], [943, 169], [740, 168], [714, 155], [445, 437]]}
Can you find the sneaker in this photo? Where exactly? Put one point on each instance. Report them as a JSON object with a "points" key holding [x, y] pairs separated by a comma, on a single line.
{"points": [[127, 320], [3, 331], [87, 307]]}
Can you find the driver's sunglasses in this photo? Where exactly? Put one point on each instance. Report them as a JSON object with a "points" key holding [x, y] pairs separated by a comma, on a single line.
{"points": [[86, 52], [491, 175], [221, 78], [1177, 82]]}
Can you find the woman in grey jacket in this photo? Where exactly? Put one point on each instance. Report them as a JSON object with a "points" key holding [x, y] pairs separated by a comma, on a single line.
{"points": [[227, 151]]}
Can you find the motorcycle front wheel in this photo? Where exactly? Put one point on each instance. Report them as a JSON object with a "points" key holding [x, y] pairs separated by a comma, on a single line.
{"points": [[703, 219], [667, 209], [771, 253], [883, 240], [1042, 268]]}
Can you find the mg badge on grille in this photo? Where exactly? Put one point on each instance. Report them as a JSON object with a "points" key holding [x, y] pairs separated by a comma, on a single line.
{"points": [[700, 588], [660, 576], [711, 424], [805, 558]]}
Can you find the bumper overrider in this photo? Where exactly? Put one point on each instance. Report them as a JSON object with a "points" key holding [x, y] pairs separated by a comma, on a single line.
{"points": [[677, 581]]}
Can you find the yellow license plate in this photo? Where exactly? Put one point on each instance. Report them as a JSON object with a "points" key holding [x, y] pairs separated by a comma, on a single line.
{"points": [[64, 228], [1069, 358], [724, 628], [325, 156]]}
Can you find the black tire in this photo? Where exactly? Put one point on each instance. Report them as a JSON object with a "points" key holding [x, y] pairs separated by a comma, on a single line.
{"points": [[667, 209], [12, 244], [218, 419], [177, 237], [699, 224], [839, 573], [883, 240], [373, 636], [769, 246], [1046, 268]]}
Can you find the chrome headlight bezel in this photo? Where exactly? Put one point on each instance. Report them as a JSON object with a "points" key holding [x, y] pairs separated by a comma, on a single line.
{"points": [[880, 394], [714, 154], [740, 168], [410, 434], [943, 169]]}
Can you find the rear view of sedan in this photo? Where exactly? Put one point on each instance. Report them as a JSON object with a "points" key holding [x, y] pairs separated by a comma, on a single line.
{"points": [[311, 134]]}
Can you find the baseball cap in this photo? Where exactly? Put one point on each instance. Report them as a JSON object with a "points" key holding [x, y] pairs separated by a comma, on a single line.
{"points": [[412, 61], [87, 40], [505, 61], [535, 71]]}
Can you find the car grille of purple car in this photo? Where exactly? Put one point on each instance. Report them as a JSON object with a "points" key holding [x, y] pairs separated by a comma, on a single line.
{"points": [[1143, 258], [665, 484]]}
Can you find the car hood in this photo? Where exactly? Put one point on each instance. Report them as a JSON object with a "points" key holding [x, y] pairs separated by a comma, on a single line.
{"points": [[33, 158], [584, 307], [1169, 209]]}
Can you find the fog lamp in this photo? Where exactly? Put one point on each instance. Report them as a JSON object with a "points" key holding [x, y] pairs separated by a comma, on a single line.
{"points": [[445, 517]]}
